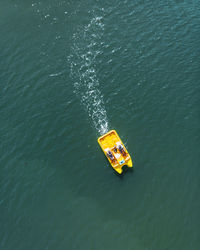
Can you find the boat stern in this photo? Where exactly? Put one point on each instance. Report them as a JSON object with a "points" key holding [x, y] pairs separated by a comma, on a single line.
{"points": [[118, 170], [129, 163]]}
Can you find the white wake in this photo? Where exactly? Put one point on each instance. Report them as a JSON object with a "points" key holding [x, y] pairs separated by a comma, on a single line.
{"points": [[86, 47]]}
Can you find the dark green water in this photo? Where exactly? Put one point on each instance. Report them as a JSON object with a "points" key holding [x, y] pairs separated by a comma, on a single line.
{"points": [[70, 71]]}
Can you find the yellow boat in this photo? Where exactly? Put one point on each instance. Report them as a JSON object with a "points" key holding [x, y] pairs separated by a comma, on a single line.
{"points": [[115, 150]]}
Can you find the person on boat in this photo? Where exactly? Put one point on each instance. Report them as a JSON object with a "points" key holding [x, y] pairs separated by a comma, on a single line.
{"points": [[121, 150], [110, 155]]}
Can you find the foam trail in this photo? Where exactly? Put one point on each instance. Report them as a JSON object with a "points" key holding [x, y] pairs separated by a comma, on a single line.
{"points": [[86, 46]]}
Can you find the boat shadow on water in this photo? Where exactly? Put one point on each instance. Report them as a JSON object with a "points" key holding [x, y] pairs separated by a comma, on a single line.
{"points": [[126, 170]]}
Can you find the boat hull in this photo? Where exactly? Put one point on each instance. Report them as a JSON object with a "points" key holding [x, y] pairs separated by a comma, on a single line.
{"points": [[115, 151]]}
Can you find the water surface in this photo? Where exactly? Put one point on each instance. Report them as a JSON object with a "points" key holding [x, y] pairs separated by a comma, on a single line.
{"points": [[72, 70]]}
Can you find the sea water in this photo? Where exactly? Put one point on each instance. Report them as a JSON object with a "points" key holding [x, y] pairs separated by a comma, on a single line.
{"points": [[72, 70]]}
